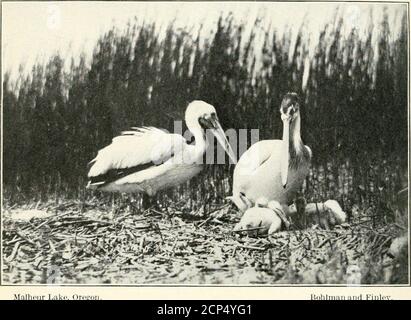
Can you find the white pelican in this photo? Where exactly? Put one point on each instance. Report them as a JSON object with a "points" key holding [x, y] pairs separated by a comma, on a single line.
{"points": [[273, 169], [146, 160]]}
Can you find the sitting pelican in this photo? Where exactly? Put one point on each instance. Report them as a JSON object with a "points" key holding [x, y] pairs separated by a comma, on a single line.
{"points": [[146, 160], [274, 169]]}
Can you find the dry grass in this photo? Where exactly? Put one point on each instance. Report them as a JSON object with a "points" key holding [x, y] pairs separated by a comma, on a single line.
{"points": [[78, 242]]}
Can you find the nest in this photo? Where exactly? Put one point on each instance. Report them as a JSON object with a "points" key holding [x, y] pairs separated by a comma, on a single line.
{"points": [[75, 243]]}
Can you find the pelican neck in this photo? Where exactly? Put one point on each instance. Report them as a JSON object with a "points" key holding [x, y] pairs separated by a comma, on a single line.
{"points": [[200, 139], [296, 144]]}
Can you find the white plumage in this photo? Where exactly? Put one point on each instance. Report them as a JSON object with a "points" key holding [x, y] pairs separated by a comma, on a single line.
{"points": [[149, 159], [262, 177], [265, 215], [133, 148]]}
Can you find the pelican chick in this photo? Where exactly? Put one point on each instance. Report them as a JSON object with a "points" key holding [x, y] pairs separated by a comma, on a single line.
{"points": [[264, 215]]}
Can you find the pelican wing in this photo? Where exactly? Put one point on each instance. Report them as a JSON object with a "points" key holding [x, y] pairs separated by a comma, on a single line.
{"points": [[134, 150], [255, 156]]}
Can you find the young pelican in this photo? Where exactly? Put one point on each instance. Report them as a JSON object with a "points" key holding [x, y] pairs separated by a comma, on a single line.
{"points": [[148, 159], [274, 169], [268, 215]]}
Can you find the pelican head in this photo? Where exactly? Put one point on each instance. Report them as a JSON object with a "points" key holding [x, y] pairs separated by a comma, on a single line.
{"points": [[290, 107], [201, 115], [290, 110]]}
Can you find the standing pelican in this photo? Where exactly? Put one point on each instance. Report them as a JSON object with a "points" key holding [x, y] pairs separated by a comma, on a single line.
{"points": [[274, 169], [146, 160]]}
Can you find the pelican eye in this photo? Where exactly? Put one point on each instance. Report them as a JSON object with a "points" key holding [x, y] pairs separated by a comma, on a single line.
{"points": [[207, 121]]}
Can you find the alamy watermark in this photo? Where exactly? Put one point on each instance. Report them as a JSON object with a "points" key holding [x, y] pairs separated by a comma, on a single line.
{"points": [[215, 151]]}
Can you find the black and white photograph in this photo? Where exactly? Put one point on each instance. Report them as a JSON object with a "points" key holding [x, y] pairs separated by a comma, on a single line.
{"points": [[199, 143]]}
